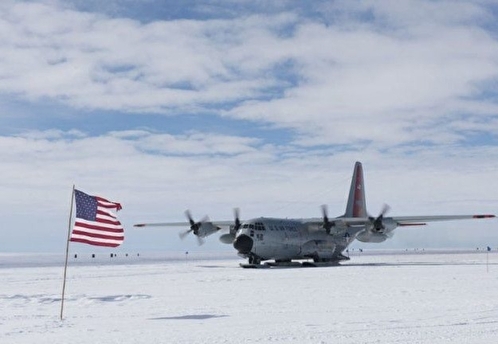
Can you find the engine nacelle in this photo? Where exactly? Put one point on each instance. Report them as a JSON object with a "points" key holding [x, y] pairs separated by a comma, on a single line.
{"points": [[227, 238], [385, 227], [318, 248], [206, 229], [369, 236]]}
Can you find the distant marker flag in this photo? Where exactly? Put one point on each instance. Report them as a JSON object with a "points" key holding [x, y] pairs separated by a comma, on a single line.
{"points": [[95, 224]]}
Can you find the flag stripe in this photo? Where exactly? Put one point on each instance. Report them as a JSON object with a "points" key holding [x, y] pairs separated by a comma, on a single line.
{"points": [[100, 226], [106, 220], [105, 214], [95, 243], [107, 204], [97, 237], [97, 232]]}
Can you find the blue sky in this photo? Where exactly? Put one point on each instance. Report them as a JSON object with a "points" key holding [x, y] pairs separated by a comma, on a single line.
{"points": [[263, 105]]}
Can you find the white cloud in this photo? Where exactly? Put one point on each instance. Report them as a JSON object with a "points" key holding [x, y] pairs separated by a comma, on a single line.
{"points": [[408, 62], [103, 63], [380, 82], [218, 172]]}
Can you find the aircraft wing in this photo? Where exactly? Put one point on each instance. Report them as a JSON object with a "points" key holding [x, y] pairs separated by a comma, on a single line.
{"points": [[339, 222], [200, 229], [162, 224], [342, 222], [182, 224], [409, 220], [421, 220]]}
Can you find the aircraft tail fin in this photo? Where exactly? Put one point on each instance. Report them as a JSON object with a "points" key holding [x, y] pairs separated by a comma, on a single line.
{"points": [[356, 206]]}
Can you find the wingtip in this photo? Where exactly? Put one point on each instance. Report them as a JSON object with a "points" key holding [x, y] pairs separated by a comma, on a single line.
{"points": [[412, 224], [486, 216], [139, 225]]}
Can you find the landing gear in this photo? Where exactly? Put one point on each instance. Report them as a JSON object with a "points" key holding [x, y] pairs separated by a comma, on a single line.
{"points": [[320, 260], [317, 261], [254, 263], [254, 260]]}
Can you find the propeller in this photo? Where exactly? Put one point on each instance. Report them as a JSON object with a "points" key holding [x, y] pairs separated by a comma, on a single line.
{"points": [[237, 225], [377, 223], [194, 227], [327, 225], [228, 238]]}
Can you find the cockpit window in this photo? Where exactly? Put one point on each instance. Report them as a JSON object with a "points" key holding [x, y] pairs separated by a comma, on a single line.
{"points": [[259, 226]]}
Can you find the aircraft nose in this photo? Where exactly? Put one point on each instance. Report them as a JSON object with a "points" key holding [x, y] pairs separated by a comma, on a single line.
{"points": [[243, 243]]}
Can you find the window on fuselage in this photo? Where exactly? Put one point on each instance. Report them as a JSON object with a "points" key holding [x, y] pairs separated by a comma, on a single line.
{"points": [[259, 226]]}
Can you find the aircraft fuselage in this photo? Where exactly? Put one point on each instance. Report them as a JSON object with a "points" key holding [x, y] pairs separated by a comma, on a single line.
{"points": [[287, 239]]}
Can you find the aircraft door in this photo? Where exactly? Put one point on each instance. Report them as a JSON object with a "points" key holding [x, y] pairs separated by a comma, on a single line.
{"points": [[292, 240]]}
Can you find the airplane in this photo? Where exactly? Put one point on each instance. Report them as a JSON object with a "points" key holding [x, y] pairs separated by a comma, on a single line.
{"points": [[323, 240]]}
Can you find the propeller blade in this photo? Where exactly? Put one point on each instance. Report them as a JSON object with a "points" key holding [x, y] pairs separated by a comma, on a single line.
{"points": [[182, 235], [236, 212], [200, 241], [327, 225], [377, 223], [189, 217], [385, 209], [324, 213]]}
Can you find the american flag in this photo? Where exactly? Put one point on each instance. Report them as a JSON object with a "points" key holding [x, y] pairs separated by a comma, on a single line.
{"points": [[95, 224]]}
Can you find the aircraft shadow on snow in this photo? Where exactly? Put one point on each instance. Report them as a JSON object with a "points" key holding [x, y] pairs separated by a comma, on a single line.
{"points": [[191, 317]]}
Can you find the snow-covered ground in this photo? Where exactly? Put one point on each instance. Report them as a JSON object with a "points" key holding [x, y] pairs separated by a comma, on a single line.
{"points": [[382, 298]]}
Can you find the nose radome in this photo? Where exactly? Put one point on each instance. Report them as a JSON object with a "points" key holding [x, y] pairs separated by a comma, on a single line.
{"points": [[243, 243]]}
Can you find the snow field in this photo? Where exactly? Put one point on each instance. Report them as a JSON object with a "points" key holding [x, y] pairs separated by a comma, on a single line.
{"points": [[416, 298]]}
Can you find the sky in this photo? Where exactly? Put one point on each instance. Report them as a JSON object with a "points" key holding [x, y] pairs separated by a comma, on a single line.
{"points": [[165, 106]]}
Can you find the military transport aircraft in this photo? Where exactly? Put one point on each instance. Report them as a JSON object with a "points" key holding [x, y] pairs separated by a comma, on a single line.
{"points": [[322, 240]]}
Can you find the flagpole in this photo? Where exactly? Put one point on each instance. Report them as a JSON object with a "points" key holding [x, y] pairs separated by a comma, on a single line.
{"points": [[487, 259], [67, 251]]}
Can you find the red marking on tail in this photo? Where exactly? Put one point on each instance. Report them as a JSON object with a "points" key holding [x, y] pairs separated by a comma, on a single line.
{"points": [[358, 194]]}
